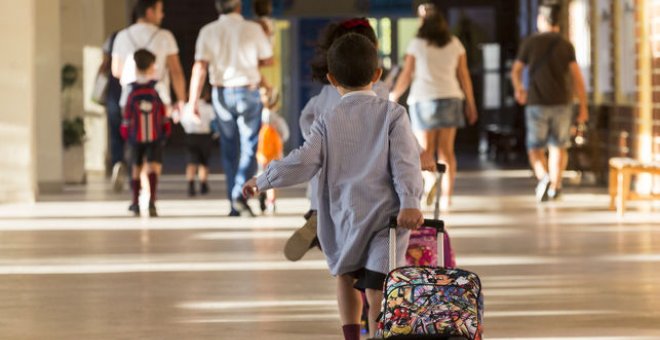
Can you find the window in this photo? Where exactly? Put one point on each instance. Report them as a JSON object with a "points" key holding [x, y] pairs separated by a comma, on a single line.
{"points": [[580, 35]]}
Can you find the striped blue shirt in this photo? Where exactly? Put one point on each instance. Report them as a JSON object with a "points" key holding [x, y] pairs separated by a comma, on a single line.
{"points": [[368, 165]]}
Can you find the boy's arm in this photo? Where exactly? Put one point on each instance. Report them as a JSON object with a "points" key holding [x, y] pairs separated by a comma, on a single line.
{"points": [[405, 164], [298, 167]]}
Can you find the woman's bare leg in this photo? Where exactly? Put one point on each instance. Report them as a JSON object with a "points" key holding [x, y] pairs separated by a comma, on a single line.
{"points": [[446, 138]]}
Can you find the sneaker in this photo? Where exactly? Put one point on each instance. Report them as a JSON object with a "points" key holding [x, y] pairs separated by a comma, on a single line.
{"points": [[554, 194], [542, 189], [301, 240], [118, 176], [204, 188], [135, 209], [241, 205], [152, 210]]}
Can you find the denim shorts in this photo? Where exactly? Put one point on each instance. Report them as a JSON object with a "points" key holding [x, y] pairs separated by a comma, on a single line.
{"points": [[548, 125], [437, 113]]}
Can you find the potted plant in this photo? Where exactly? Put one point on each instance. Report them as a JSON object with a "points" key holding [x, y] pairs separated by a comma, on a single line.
{"points": [[73, 132]]}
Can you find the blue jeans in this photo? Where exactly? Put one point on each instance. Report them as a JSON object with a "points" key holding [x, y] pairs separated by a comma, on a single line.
{"points": [[548, 124], [239, 114], [114, 123]]}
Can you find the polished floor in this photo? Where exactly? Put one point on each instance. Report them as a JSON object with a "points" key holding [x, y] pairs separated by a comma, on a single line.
{"points": [[76, 266]]}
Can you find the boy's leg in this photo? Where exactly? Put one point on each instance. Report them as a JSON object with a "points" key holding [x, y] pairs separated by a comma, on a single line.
{"points": [[375, 301], [135, 182], [191, 169], [350, 306], [203, 175], [135, 188], [153, 172]]}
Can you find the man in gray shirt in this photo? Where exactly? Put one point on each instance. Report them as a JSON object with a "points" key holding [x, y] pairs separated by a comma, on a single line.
{"points": [[554, 80]]}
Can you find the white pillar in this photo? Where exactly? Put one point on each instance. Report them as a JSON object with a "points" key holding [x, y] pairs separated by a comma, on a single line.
{"points": [[30, 122]]}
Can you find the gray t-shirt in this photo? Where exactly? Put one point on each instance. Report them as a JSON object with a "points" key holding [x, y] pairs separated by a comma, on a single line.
{"points": [[550, 76]]}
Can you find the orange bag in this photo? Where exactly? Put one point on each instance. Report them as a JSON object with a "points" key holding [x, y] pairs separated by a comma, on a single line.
{"points": [[270, 145]]}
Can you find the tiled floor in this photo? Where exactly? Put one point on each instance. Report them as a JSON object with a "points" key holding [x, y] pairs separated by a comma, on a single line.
{"points": [[77, 267]]}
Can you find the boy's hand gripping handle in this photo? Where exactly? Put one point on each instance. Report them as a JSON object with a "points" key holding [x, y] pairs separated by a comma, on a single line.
{"points": [[439, 226]]}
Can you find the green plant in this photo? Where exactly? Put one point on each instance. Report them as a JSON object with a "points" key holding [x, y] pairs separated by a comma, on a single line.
{"points": [[73, 131]]}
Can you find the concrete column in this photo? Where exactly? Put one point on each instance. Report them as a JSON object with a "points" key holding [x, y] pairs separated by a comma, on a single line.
{"points": [[47, 97], [30, 122]]}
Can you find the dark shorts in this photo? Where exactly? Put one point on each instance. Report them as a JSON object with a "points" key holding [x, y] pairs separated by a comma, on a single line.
{"points": [[368, 279], [152, 152], [198, 148]]}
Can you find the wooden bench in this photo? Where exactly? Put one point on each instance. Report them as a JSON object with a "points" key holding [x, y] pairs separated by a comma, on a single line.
{"points": [[621, 171]]}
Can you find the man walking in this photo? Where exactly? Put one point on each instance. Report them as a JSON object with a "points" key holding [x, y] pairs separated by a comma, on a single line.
{"points": [[232, 50], [147, 34], [554, 78]]}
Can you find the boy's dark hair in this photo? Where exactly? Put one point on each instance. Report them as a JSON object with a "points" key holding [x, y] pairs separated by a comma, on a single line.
{"points": [[141, 7], [434, 29], [262, 8], [332, 32], [551, 13], [227, 6], [353, 60], [143, 59]]}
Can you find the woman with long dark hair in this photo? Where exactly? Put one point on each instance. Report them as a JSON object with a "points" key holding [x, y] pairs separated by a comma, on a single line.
{"points": [[436, 65]]}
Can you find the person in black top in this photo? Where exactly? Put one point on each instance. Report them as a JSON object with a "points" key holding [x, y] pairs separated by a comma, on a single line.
{"points": [[554, 79]]}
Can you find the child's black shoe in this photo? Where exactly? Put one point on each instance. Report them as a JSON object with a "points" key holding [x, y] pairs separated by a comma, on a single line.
{"points": [[152, 210], [204, 188], [135, 209]]}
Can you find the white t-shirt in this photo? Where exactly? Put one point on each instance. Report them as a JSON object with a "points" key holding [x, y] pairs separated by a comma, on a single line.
{"points": [[435, 70], [233, 47], [159, 41]]}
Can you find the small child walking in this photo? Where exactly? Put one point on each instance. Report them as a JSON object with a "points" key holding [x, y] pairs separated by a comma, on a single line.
{"points": [[145, 126], [199, 141], [272, 136], [369, 169]]}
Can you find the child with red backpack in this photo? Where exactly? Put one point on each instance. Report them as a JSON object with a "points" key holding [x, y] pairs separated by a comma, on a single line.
{"points": [[145, 126]]}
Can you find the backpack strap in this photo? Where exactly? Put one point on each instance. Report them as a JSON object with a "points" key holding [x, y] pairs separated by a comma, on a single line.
{"points": [[130, 37]]}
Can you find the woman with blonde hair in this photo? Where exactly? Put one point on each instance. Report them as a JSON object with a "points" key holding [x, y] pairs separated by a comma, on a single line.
{"points": [[441, 96]]}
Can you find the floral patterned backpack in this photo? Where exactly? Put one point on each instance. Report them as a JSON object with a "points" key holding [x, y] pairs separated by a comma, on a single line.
{"points": [[423, 301]]}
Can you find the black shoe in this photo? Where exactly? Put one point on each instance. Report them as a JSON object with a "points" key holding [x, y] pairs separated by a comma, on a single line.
{"points": [[191, 189], [152, 210], [234, 213], [554, 194], [262, 202], [241, 205], [204, 188], [135, 209]]}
